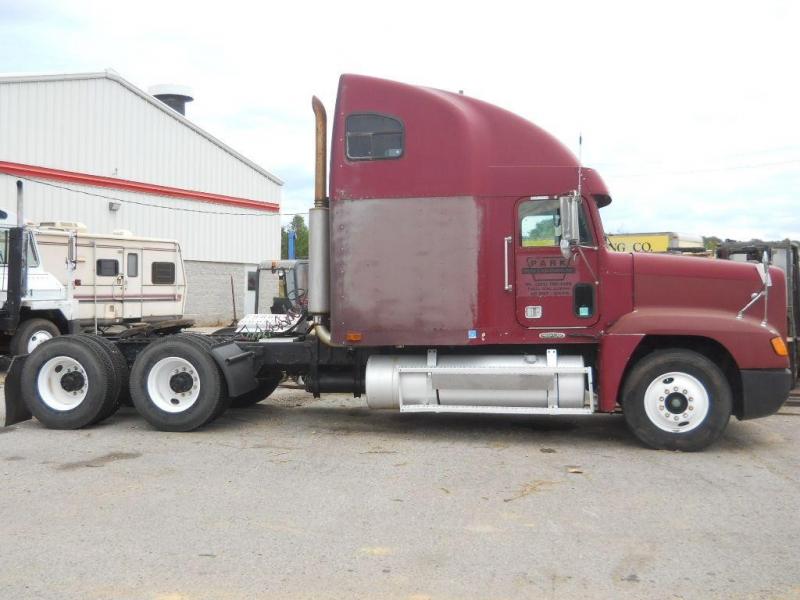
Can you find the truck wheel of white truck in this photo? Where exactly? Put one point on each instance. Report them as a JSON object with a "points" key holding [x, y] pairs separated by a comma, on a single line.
{"points": [[68, 383], [176, 385], [677, 400], [30, 334]]}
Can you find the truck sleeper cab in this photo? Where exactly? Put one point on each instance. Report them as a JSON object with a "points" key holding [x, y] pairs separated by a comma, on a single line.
{"points": [[457, 264]]}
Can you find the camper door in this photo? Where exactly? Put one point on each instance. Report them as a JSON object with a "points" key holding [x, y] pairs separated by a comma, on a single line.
{"points": [[132, 300]]}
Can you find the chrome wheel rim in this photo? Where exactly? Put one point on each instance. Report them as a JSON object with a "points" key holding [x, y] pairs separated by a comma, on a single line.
{"points": [[676, 402], [173, 384]]}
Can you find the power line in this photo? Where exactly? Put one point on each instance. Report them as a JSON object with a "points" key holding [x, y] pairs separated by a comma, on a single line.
{"points": [[148, 205], [710, 170], [762, 151]]}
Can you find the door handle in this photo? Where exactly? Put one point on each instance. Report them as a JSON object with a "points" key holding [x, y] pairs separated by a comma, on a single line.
{"points": [[506, 242]]}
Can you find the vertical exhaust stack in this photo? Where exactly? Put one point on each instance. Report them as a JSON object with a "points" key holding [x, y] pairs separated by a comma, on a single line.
{"points": [[174, 96], [319, 232]]}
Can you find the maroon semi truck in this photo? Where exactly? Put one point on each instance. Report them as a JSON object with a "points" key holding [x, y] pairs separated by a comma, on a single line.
{"points": [[458, 264]]}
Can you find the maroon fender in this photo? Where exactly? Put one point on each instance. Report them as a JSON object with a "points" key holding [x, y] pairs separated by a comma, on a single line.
{"points": [[615, 353], [746, 339]]}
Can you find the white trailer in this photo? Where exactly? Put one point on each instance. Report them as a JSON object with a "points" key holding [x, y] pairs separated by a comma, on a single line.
{"points": [[119, 278]]}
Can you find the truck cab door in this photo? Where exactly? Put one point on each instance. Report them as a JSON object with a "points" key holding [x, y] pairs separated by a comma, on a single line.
{"points": [[551, 291]]}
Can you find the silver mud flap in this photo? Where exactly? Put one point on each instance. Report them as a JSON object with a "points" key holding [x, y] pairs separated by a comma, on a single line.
{"points": [[16, 411]]}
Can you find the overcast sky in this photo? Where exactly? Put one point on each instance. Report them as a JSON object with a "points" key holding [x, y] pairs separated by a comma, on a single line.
{"points": [[689, 110]]}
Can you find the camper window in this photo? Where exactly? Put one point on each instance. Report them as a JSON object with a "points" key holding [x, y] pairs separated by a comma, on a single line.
{"points": [[163, 273], [133, 265], [107, 267]]}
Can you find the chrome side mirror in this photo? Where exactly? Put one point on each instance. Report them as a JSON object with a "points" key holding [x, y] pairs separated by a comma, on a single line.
{"points": [[763, 270], [569, 209]]}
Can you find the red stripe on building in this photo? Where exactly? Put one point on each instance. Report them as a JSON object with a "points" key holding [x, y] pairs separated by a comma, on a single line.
{"points": [[130, 186]]}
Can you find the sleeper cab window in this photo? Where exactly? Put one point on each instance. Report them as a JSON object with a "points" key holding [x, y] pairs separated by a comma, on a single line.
{"points": [[107, 267], [162, 273], [372, 136]]}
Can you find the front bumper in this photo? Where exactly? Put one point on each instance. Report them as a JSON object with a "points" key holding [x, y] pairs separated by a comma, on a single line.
{"points": [[763, 392]]}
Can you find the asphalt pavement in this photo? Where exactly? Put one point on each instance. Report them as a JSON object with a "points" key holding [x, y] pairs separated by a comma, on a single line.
{"points": [[300, 498]]}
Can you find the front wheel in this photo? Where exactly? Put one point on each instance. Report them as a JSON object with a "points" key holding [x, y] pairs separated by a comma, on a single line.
{"points": [[677, 400], [31, 334]]}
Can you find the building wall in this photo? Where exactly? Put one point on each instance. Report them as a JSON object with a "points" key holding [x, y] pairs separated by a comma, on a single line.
{"points": [[99, 124], [216, 233], [102, 125], [208, 297]]}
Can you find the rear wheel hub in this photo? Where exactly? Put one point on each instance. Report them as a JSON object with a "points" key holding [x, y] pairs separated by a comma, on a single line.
{"points": [[180, 382], [72, 381]]}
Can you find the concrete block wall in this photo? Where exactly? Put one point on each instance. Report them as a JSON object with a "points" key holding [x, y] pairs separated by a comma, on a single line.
{"points": [[208, 296], [268, 288]]}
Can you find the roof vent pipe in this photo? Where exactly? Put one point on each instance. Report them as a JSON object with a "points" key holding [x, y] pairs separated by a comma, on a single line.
{"points": [[174, 96]]}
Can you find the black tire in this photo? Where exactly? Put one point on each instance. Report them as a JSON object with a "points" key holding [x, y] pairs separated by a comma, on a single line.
{"points": [[266, 385], [121, 372], [98, 377], [205, 375], [666, 419], [225, 399], [27, 330]]}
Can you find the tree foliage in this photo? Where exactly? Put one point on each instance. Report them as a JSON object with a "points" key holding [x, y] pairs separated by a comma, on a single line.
{"points": [[298, 225], [711, 242]]}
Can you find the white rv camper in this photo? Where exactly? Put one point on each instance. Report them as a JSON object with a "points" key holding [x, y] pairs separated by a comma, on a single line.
{"points": [[119, 277]]}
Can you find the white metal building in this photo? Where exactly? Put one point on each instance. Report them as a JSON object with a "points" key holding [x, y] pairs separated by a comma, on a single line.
{"points": [[96, 149]]}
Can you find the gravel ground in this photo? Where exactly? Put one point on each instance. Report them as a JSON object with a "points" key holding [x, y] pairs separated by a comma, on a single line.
{"points": [[297, 498]]}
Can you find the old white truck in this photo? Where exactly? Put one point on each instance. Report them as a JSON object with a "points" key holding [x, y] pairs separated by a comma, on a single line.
{"points": [[35, 305]]}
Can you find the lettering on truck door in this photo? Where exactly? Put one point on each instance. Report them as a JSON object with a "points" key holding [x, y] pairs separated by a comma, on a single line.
{"points": [[552, 292]]}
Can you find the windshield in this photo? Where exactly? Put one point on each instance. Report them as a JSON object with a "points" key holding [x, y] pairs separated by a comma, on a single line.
{"points": [[33, 253]]}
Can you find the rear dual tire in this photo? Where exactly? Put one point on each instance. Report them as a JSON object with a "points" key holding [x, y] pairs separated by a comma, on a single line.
{"points": [[176, 385], [71, 382], [266, 385]]}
